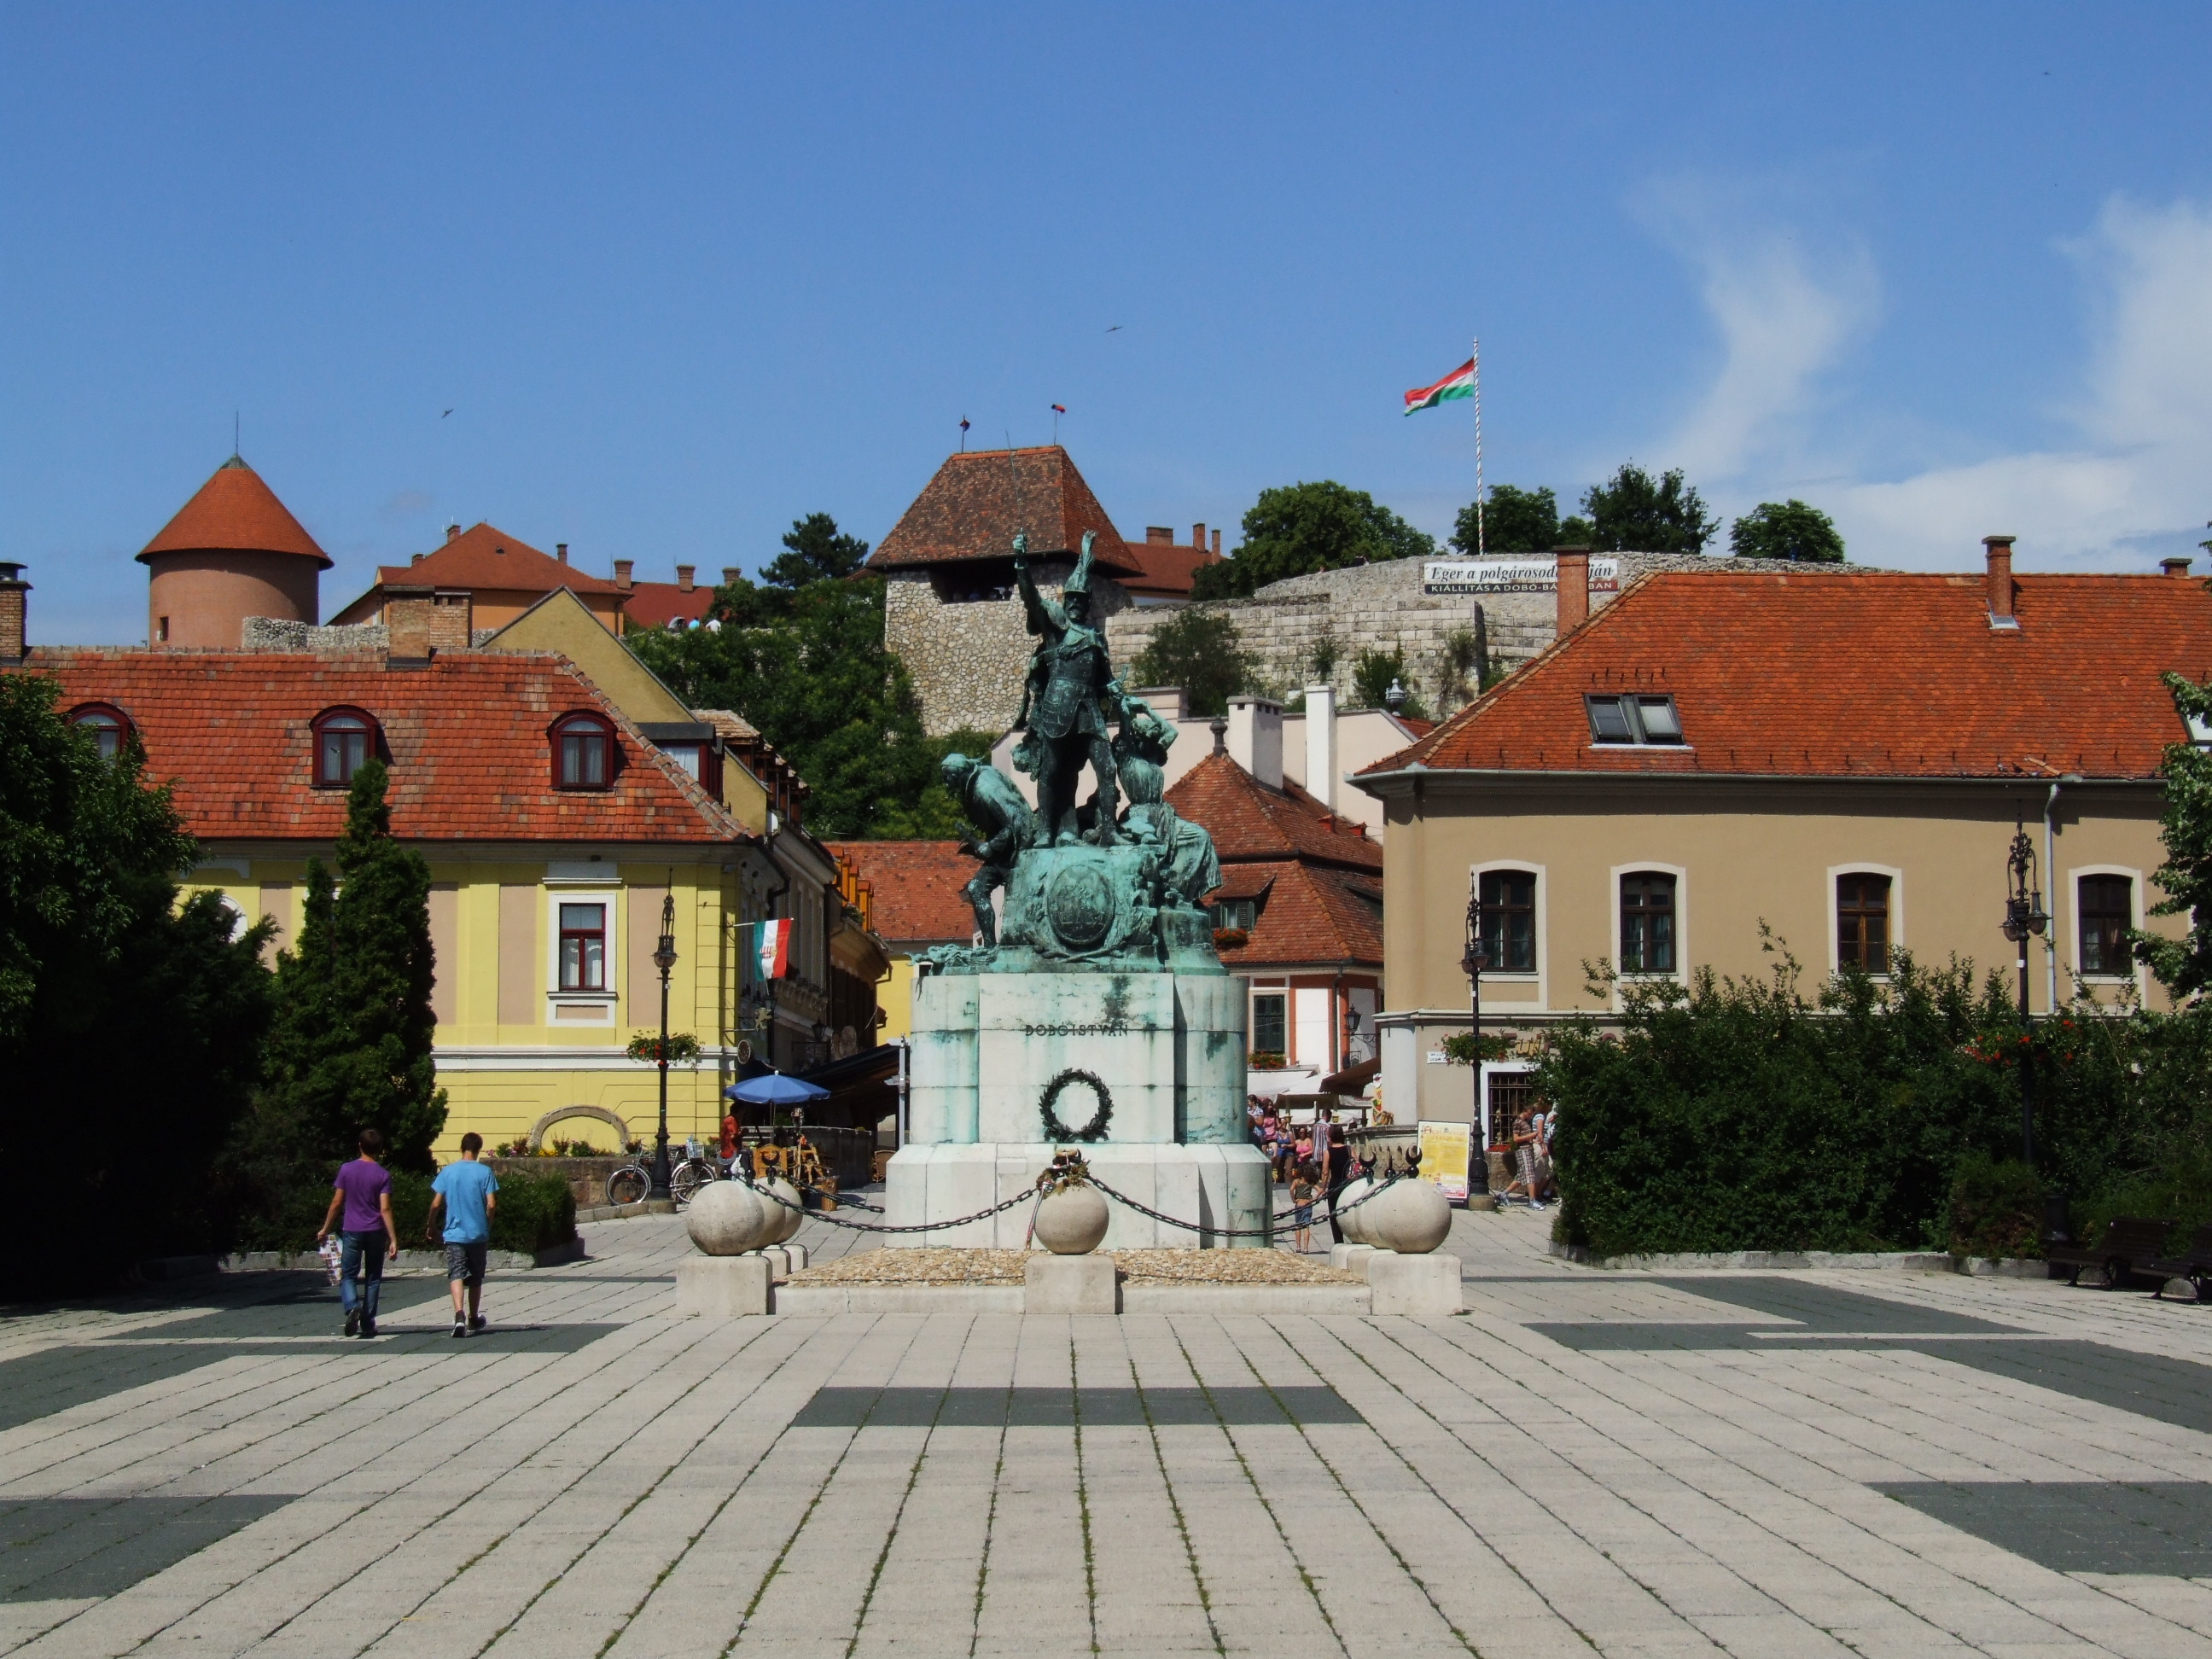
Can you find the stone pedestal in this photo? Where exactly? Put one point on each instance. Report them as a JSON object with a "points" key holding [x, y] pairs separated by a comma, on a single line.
{"points": [[1413, 1286], [722, 1286], [1350, 1258], [1217, 1187], [779, 1262], [1069, 1285]]}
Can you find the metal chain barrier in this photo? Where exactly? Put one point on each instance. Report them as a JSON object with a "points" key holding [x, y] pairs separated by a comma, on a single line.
{"points": [[1336, 1212]]}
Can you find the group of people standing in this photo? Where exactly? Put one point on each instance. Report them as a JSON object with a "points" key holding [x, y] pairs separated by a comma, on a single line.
{"points": [[1313, 1158], [462, 1205]]}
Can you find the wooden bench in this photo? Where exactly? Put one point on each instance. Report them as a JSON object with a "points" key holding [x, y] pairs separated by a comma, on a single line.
{"points": [[2194, 1265], [2127, 1241]]}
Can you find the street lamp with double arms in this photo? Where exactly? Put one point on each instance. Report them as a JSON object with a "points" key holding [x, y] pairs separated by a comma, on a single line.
{"points": [[664, 957], [1472, 963], [2025, 918]]}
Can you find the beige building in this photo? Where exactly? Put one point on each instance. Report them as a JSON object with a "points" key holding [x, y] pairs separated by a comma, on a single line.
{"points": [[1717, 761]]}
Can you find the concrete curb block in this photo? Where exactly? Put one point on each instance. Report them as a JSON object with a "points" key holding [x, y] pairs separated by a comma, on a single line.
{"points": [[1907, 1261], [407, 1261], [1155, 1297], [897, 1298], [626, 1212]]}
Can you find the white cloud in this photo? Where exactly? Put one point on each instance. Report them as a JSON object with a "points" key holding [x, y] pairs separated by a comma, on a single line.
{"points": [[2132, 485]]}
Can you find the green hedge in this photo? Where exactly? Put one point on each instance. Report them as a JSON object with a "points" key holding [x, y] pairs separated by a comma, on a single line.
{"points": [[1742, 1116], [534, 1212]]}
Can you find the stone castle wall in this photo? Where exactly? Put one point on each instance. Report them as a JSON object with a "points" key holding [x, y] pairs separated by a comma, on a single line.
{"points": [[968, 657]]}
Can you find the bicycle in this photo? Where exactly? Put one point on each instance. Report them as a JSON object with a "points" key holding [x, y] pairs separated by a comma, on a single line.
{"points": [[633, 1183]]}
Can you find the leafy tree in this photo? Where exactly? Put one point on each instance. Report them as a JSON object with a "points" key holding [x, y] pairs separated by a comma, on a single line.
{"points": [[1295, 530], [113, 1000], [809, 668], [1575, 530], [2184, 966], [1199, 651], [817, 551], [1635, 512], [1513, 521], [351, 1049], [1374, 672], [1787, 530]]}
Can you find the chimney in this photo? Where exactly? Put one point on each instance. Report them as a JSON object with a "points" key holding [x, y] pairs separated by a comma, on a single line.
{"points": [[417, 559], [561, 552], [1197, 537], [13, 615], [1157, 533], [452, 616], [623, 568], [1574, 588], [452, 530], [407, 623], [1255, 737], [2176, 566], [684, 573], [730, 574], [1998, 552], [1321, 744], [1216, 544]]}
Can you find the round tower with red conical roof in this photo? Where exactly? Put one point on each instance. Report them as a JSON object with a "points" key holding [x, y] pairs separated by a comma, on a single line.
{"points": [[234, 552]]}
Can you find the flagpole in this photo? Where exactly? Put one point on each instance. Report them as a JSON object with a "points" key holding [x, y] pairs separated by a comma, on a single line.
{"points": [[1480, 541]]}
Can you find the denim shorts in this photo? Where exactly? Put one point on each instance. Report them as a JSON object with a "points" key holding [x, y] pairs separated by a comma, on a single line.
{"points": [[466, 1261]]}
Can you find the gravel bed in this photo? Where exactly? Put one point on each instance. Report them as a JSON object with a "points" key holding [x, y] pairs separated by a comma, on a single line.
{"points": [[946, 1265]]}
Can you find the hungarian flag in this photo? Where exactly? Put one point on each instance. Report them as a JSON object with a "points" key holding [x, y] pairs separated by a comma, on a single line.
{"points": [[771, 949], [1460, 383]]}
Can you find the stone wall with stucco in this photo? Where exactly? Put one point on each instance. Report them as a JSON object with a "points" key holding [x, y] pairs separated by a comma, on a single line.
{"points": [[968, 657], [1286, 625]]}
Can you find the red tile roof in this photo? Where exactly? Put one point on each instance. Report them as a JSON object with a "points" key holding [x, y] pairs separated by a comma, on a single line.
{"points": [[234, 510], [1310, 917], [466, 736], [483, 555], [655, 604], [1890, 675], [915, 887], [972, 508], [1249, 821], [1164, 568]]}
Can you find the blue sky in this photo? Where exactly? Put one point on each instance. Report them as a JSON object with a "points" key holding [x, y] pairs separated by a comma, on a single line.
{"points": [[682, 274]]}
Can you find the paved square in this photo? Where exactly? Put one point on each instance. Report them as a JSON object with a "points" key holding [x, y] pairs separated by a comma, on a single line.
{"points": [[1749, 1464]]}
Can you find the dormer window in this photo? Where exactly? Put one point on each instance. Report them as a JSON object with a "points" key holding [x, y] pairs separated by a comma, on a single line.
{"points": [[344, 740], [583, 753], [1633, 719], [108, 725]]}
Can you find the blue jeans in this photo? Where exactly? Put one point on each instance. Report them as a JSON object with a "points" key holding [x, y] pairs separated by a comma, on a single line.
{"points": [[361, 1255]]}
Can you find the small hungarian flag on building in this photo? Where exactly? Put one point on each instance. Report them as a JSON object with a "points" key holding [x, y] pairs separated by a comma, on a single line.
{"points": [[1460, 383], [771, 944]]}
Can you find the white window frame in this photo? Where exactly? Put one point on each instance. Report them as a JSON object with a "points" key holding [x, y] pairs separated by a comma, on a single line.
{"points": [[2071, 923], [1680, 973], [1540, 981], [597, 1007], [1866, 867]]}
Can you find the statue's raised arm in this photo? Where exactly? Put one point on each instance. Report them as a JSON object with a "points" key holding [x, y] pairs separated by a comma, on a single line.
{"points": [[1044, 616]]}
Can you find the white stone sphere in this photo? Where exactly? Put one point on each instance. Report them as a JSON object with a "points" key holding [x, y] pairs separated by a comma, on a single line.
{"points": [[1351, 1223], [1413, 1217], [1072, 1221], [786, 1220], [726, 1217]]}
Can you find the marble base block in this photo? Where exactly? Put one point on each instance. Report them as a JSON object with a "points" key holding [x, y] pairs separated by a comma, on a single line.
{"points": [[1217, 1187], [1414, 1286], [722, 1286], [1350, 1258], [1069, 1285]]}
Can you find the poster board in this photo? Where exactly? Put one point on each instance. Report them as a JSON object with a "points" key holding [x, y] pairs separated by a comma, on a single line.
{"points": [[1444, 1148]]}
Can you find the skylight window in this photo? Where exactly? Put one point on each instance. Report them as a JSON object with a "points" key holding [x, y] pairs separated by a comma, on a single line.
{"points": [[1635, 719]]}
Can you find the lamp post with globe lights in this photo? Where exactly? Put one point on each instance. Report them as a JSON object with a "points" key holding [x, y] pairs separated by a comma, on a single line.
{"points": [[1472, 963], [664, 957], [2025, 918]]}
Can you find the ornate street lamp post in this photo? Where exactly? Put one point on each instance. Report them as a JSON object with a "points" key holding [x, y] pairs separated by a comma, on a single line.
{"points": [[1472, 964], [2024, 917], [664, 957]]}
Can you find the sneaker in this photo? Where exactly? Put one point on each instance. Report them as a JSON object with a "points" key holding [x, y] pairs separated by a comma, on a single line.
{"points": [[368, 1328], [353, 1322], [476, 1321], [460, 1327]]}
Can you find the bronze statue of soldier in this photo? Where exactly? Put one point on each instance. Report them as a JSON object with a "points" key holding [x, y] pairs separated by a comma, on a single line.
{"points": [[996, 807], [1063, 725]]}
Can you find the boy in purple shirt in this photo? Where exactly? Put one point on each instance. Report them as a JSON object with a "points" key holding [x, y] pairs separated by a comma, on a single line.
{"points": [[364, 1191]]}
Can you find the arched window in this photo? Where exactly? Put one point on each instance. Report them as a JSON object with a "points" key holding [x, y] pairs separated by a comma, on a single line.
{"points": [[109, 724], [344, 740], [583, 752]]}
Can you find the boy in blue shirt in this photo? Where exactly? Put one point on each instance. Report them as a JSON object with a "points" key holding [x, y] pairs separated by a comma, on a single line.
{"points": [[464, 1192]]}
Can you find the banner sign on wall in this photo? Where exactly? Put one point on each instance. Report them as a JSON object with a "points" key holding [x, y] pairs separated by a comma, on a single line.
{"points": [[1443, 1158], [1536, 575]]}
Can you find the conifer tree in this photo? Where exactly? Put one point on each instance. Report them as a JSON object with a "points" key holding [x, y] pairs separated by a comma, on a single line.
{"points": [[351, 1049]]}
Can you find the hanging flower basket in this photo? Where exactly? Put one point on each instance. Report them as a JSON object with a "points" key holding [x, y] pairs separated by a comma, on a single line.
{"points": [[683, 1047]]}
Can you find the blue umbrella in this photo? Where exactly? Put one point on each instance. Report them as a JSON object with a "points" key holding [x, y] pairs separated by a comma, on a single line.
{"points": [[774, 1090]]}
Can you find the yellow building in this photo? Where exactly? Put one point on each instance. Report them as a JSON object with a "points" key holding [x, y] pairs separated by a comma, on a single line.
{"points": [[555, 832]]}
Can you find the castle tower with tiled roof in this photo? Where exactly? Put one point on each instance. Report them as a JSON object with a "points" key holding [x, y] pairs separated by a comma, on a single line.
{"points": [[232, 551]]}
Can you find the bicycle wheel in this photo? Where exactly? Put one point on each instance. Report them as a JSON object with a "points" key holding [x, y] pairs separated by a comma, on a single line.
{"points": [[687, 1177], [628, 1185]]}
